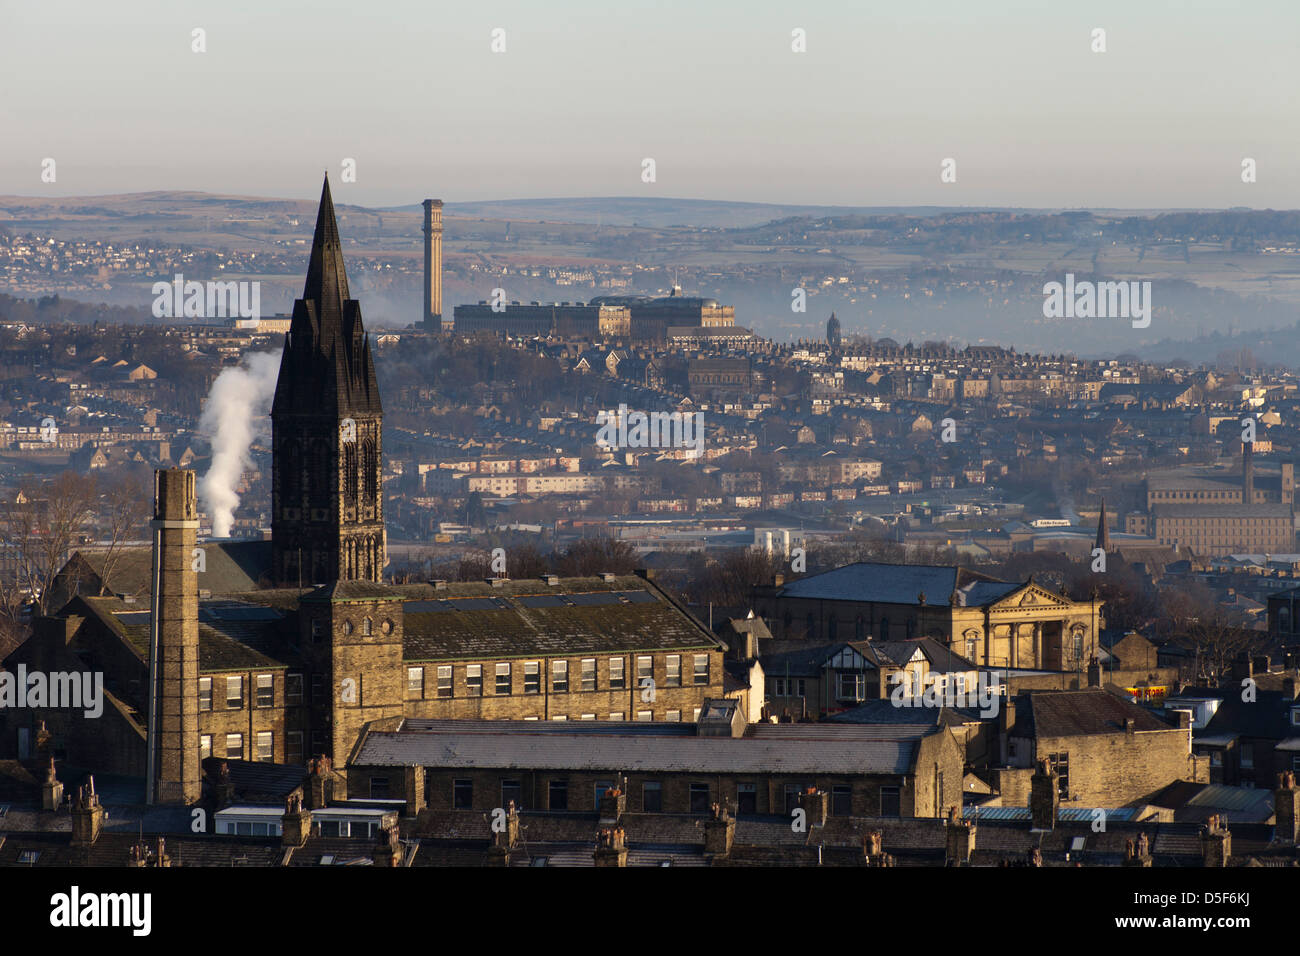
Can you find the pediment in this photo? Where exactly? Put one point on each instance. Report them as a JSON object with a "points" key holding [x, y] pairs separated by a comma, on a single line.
{"points": [[1031, 597]]}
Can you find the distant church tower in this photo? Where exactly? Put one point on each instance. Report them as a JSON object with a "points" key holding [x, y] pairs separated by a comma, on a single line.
{"points": [[833, 332], [327, 506], [1103, 532]]}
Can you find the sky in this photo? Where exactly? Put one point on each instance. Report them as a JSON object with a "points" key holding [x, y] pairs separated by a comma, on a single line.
{"points": [[711, 90]]}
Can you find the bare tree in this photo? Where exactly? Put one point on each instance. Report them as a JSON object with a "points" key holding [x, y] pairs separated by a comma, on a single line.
{"points": [[40, 526], [127, 507]]}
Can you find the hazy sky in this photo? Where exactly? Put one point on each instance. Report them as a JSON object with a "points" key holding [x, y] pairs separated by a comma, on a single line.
{"points": [[709, 89]]}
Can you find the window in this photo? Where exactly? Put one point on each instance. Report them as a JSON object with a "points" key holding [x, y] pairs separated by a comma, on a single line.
{"points": [[701, 668], [511, 793], [367, 628], [503, 679], [1061, 764], [589, 673], [747, 798], [462, 794], [889, 802], [1247, 756], [444, 680], [674, 716], [645, 669], [29, 857], [559, 795], [318, 689], [588, 716], [317, 631], [205, 693], [474, 680], [293, 689], [532, 677], [235, 746], [205, 746], [265, 690], [695, 716], [601, 787], [293, 746], [559, 677], [618, 715], [415, 682], [265, 746], [1295, 716], [652, 797], [560, 717], [645, 715], [378, 789], [234, 693], [616, 679], [841, 801], [699, 797], [852, 686], [1078, 645], [673, 678]]}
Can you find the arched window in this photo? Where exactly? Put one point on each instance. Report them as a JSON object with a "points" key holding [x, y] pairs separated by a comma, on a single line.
{"points": [[370, 464], [366, 627], [350, 476]]}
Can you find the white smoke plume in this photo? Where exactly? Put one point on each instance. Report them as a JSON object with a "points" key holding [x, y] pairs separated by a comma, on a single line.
{"points": [[234, 413]]}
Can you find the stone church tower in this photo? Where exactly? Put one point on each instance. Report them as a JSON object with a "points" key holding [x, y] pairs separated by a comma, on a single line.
{"points": [[327, 508]]}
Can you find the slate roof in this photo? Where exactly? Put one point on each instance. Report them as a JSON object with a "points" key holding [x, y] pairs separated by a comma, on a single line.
{"points": [[1268, 717], [536, 620], [882, 713], [1069, 713], [230, 567], [815, 749], [899, 584]]}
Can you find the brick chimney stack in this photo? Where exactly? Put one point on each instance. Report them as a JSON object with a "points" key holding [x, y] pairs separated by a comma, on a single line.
{"points": [[51, 789], [87, 815], [388, 851], [960, 838], [503, 841], [719, 832], [1286, 807], [815, 804], [174, 773], [1044, 797], [1216, 843], [295, 825]]}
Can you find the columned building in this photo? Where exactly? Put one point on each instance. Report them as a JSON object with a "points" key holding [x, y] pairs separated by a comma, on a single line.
{"points": [[988, 622]]}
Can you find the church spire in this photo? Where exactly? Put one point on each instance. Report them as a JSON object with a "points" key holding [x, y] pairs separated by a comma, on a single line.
{"points": [[1103, 532], [327, 365], [327, 279]]}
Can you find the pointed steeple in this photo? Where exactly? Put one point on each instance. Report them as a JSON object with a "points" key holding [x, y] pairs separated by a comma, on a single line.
{"points": [[1103, 532], [327, 279], [327, 366]]}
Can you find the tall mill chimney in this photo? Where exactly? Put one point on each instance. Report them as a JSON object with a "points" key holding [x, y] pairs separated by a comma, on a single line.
{"points": [[1248, 473], [173, 758], [433, 264]]}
